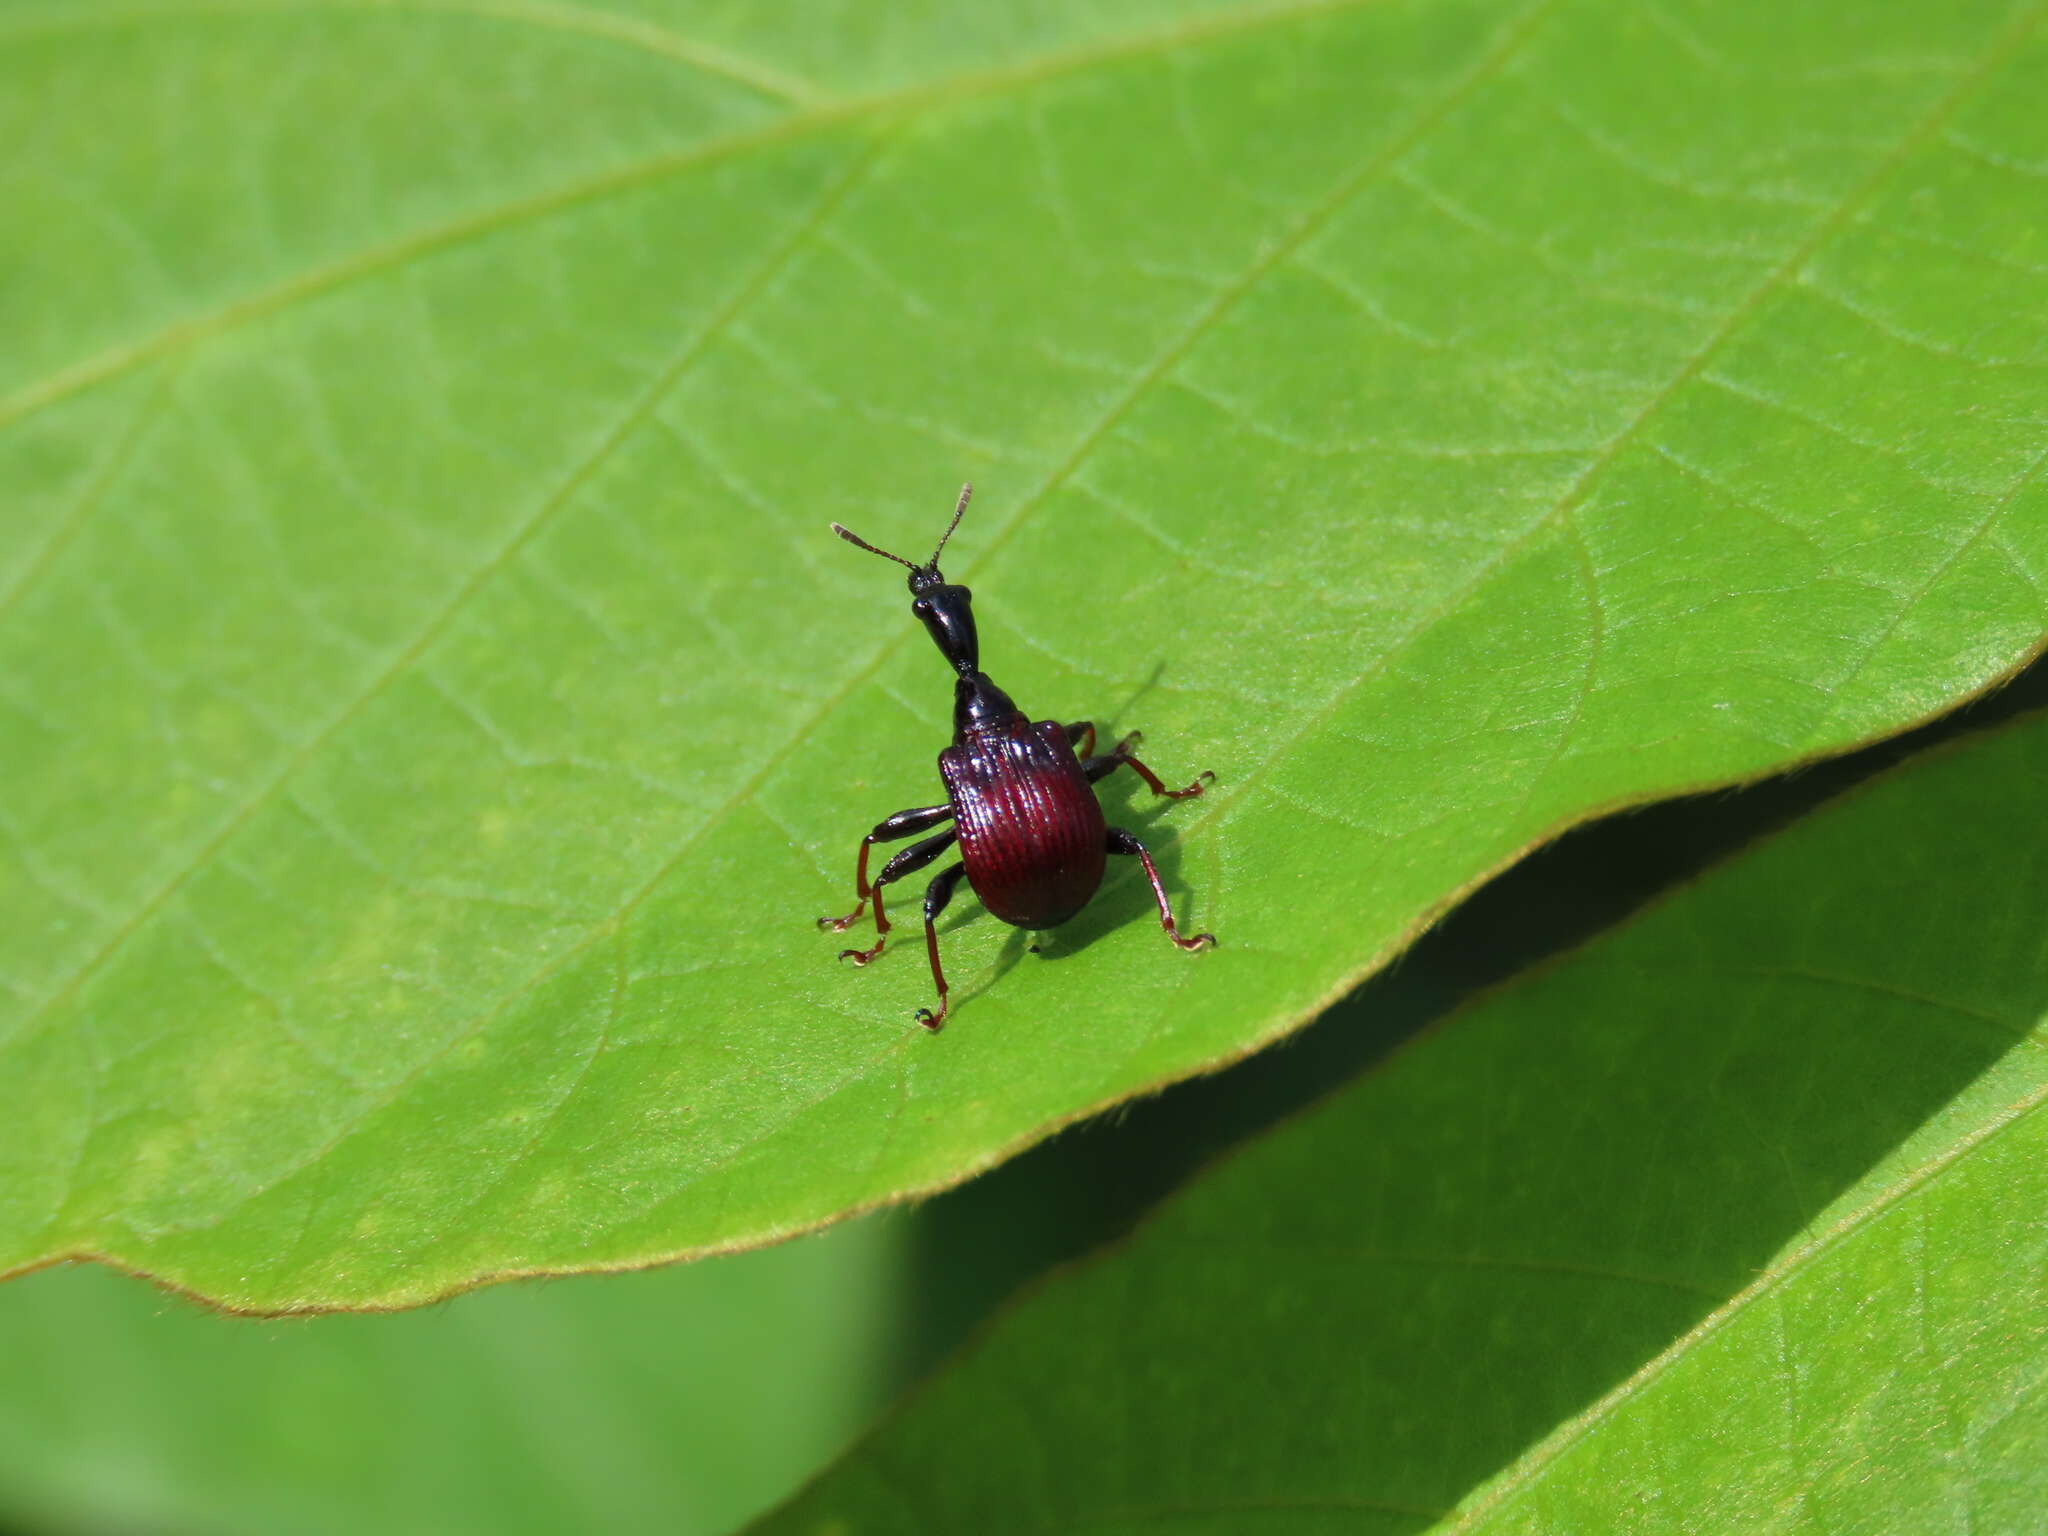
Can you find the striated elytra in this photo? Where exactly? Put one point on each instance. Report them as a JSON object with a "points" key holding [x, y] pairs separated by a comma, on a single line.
{"points": [[1020, 794]]}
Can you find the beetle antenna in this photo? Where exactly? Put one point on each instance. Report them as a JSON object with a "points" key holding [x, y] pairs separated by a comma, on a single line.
{"points": [[932, 564], [966, 491], [851, 537]]}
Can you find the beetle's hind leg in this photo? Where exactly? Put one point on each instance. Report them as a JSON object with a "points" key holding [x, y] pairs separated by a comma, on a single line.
{"points": [[893, 829], [1116, 757], [1121, 841], [908, 862], [1081, 737], [936, 895]]}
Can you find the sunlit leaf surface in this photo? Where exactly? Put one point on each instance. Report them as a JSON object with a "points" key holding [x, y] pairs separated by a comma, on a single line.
{"points": [[432, 709]]}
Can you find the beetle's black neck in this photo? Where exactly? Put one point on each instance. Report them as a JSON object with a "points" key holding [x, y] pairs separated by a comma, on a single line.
{"points": [[979, 705]]}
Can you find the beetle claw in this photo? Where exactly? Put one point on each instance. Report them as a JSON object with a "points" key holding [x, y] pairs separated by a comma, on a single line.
{"points": [[862, 956], [1197, 941]]}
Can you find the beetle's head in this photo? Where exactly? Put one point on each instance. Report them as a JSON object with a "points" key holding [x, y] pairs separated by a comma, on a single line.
{"points": [[947, 610]]}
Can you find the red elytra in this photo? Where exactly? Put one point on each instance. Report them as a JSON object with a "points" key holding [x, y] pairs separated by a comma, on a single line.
{"points": [[1033, 840], [1031, 830]]}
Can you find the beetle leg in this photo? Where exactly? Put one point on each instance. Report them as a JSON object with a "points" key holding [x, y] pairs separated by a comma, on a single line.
{"points": [[1102, 767], [1076, 730], [901, 825], [1121, 841], [908, 862], [936, 895]]}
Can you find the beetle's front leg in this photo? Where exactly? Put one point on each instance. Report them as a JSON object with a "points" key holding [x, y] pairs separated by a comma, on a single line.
{"points": [[909, 861], [1119, 755], [901, 825]]}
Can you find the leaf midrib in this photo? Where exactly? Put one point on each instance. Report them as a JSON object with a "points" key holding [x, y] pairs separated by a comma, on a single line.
{"points": [[575, 20], [877, 107]]}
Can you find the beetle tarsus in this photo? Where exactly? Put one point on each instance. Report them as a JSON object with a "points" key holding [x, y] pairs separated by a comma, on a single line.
{"points": [[841, 924], [864, 956]]}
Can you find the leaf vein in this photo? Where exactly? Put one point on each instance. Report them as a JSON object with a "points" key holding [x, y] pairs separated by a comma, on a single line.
{"points": [[1948, 562], [637, 413], [880, 107], [546, 15], [95, 490]]}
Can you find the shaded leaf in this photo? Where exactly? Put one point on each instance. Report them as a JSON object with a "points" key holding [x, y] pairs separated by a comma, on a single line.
{"points": [[434, 709], [1731, 1221]]}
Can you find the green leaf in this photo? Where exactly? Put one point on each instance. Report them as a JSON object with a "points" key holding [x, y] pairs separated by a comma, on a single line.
{"points": [[684, 1400], [434, 709], [1730, 1222]]}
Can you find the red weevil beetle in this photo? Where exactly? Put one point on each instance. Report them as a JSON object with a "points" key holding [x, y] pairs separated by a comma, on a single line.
{"points": [[1033, 842]]}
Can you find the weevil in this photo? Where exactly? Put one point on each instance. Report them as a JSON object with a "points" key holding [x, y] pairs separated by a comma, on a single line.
{"points": [[1019, 792]]}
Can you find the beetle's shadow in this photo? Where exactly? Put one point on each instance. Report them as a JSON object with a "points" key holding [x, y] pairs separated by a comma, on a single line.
{"points": [[1111, 724]]}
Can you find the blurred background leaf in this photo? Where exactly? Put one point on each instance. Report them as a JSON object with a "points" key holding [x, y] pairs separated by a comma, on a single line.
{"points": [[683, 1400], [1731, 1221], [434, 710]]}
